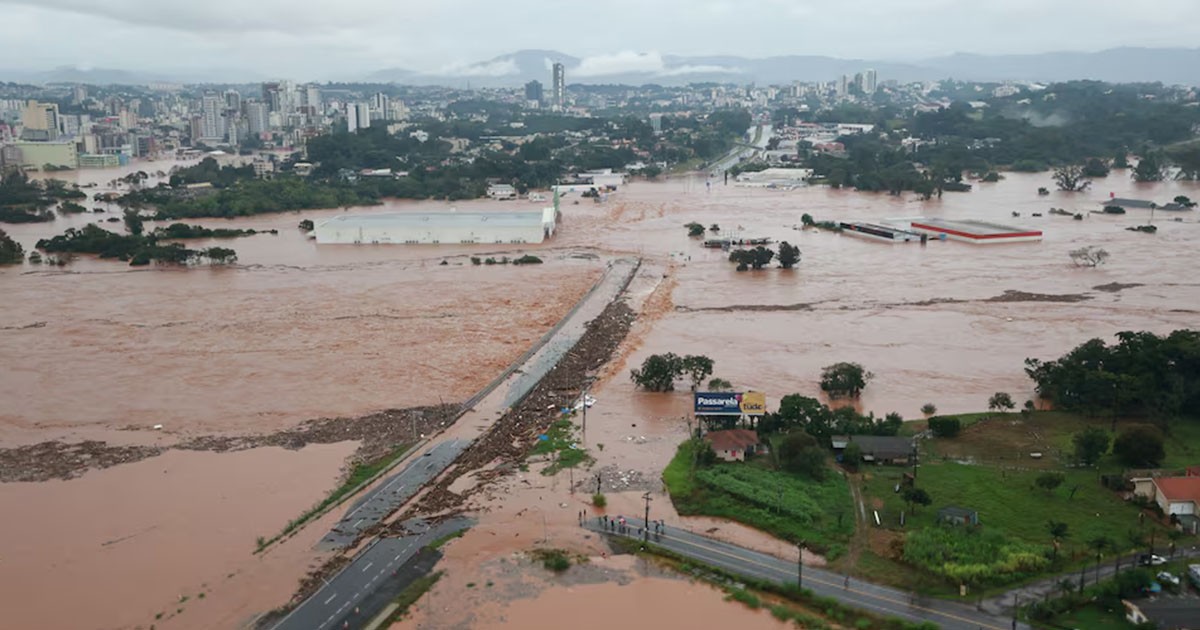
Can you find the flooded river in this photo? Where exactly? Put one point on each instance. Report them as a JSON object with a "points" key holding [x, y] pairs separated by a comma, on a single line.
{"points": [[100, 351]]}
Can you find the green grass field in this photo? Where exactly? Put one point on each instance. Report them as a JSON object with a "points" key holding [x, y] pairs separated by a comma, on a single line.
{"points": [[1093, 618], [562, 446], [785, 505]]}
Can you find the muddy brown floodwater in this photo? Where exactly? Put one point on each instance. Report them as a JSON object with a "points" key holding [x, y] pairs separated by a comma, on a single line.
{"points": [[296, 331]]}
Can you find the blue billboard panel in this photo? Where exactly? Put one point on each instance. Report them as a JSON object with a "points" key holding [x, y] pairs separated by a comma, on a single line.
{"points": [[718, 403]]}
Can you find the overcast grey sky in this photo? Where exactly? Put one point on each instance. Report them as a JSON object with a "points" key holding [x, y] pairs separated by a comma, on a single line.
{"points": [[305, 39]]}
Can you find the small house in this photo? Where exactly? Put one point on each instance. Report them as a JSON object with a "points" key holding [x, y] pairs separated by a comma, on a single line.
{"points": [[958, 516], [734, 445], [883, 449]]}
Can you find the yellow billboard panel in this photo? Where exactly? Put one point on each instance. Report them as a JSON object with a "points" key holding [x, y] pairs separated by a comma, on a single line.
{"points": [[754, 403]]}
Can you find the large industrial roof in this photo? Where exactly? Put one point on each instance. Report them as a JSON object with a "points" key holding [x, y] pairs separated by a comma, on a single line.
{"points": [[971, 226], [412, 219]]}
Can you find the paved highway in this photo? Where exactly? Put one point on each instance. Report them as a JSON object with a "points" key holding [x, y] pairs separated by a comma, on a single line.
{"points": [[858, 594], [392, 493], [341, 600]]}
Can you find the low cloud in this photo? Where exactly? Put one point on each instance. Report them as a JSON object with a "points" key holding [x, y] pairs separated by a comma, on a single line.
{"points": [[682, 70], [619, 63], [485, 69]]}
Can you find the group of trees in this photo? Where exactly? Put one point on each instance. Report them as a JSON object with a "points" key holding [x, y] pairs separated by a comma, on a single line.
{"points": [[844, 380], [1137, 446], [1143, 374], [659, 371], [801, 413], [30, 201], [135, 248], [11, 252]]}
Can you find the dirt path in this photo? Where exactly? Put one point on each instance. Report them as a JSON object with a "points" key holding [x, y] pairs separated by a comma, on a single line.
{"points": [[860, 539]]}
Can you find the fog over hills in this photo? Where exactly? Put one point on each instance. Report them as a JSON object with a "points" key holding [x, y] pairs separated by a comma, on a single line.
{"points": [[1123, 65]]}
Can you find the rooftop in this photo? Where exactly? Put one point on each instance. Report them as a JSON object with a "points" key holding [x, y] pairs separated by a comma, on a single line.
{"points": [[503, 219], [883, 445], [732, 439], [970, 226], [1179, 488]]}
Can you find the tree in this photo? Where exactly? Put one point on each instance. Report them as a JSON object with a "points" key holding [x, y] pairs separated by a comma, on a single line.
{"points": [[1121, 160], [1095, 167], [133, 222], [699, 367], [658, 372], [757, 258], [1048, 481], [219, 255], [11, 252], [800, 454], [789, 255], [945, 427], [1184, 201], [852, 456], [929, 409], [1151, 168], [806, 219], [1059, 531], [916, 496], [1070, 178], [714, 228], [1001, 401], [844, 380], [1140, 446], [694, 229], [306, 225], [719, 385], [652, 172], [1088, 256], [1090, 445]]}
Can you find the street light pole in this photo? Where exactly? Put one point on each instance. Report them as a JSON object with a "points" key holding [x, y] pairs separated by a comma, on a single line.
{"points": [[800, 565], [646, 529]]}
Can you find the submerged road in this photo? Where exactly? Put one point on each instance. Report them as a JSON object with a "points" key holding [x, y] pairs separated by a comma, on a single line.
{"points": [[392, 493], [342, 600], [881, 600]]}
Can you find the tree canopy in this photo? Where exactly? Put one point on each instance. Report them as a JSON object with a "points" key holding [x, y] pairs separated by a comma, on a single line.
{"points": [[844, 380]]}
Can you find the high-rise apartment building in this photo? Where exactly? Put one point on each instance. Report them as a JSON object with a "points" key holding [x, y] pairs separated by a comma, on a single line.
{"points": [[41, 117], [212, 122], [533, 92], [364, 115], [351, 117], [381, 106], [871, 81], [233, 101], [559, 88], [258, 117]]}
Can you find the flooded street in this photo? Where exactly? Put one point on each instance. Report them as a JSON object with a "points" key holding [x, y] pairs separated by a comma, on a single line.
{"points": [[97, 350]]}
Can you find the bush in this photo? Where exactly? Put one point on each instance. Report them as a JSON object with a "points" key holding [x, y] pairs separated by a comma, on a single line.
{"points": [[527, 259], [945, 427], [694, 229], [972, 556], [599, 500], [1114, 210], [929, 409], [1140, 446], [475, 260]]}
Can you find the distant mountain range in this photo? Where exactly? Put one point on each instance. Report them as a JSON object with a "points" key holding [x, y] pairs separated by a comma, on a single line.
{"points": [[1119, 65]]}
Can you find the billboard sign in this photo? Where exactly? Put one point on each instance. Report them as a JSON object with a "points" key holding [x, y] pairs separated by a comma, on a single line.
{"points": [[730, 403]]}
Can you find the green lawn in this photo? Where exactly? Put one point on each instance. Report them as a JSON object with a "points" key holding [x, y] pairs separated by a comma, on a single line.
{"points": [[562, 446], [1093, 618], [786, 505], [1008, 501]]}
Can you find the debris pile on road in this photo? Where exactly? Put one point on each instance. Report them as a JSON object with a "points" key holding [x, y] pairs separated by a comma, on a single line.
{"points": [[379, 433], [613, 479], [509, 440]]}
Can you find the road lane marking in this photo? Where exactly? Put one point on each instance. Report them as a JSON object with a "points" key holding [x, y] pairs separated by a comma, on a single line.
{"points": [[331, 597], [769, 568], [356, 523], [369, 564]]}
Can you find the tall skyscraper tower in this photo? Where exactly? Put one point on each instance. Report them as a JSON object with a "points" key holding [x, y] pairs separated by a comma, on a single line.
{"points": [[559, 89], [871, 81]]}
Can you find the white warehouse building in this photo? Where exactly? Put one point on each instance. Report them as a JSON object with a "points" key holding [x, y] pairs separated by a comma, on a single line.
{"points": [[432, 228]]}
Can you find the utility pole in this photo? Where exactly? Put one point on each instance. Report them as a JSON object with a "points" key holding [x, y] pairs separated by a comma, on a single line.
{"points": [[1016, 607], [646, 529], [800, 565], [587, 385], [597, 483]]}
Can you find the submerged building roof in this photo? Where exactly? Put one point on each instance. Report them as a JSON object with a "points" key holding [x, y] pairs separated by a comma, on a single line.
{"points": [[417, 219]]}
